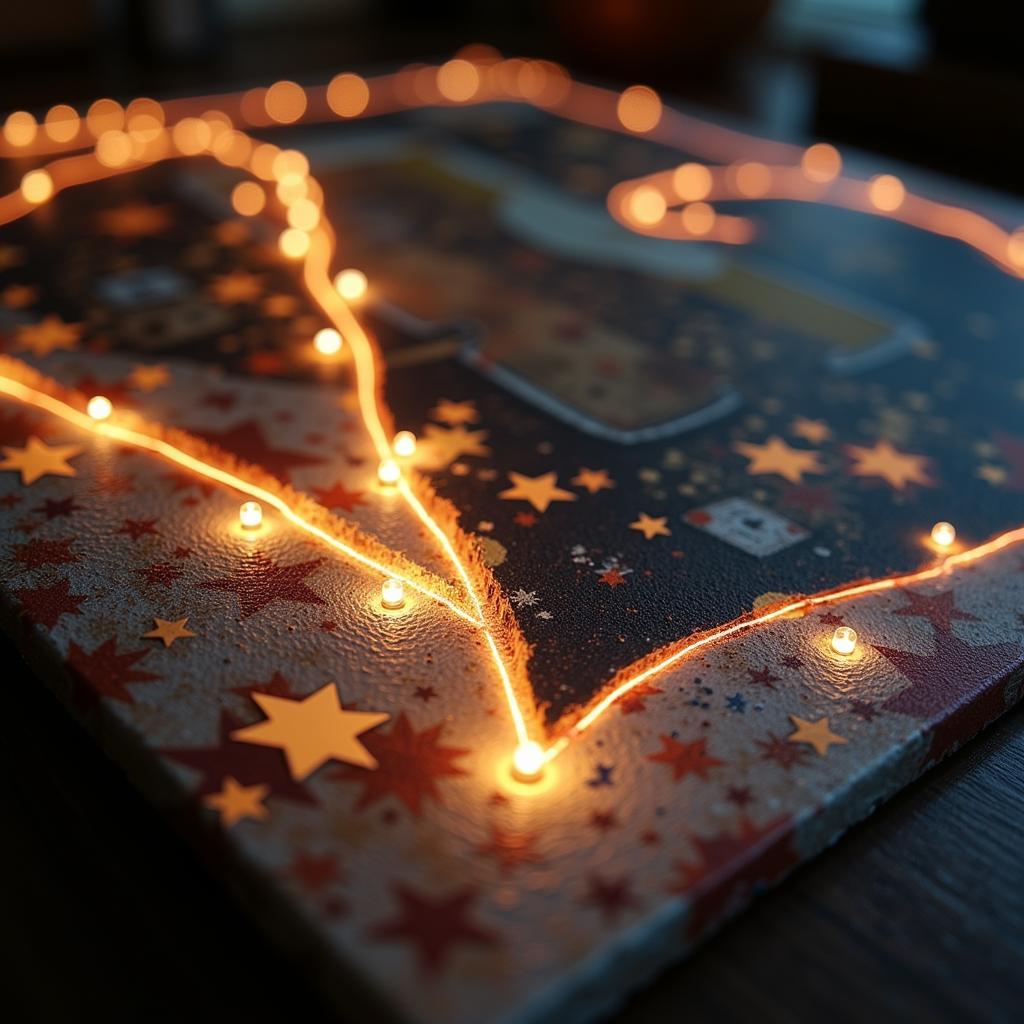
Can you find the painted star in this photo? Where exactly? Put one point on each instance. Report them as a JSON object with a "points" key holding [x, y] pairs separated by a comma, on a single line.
{"points": [[539, 491], [510, 849], [50, 334], [685, 758], [38, 459], [260, 580], [651, 527], [815, 431], [777, 457], [445, 446], [236, 287], [235, 802], [148, 377], [613, 577], [455, 414], [593, 480], [47, 604], [339, 496], [169, 631], [312, 730], [938, 609], [248, 441], [896, 468], [816, 734]]}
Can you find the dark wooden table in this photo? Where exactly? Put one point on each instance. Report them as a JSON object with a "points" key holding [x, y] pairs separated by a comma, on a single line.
{"points": [[105, 914]]}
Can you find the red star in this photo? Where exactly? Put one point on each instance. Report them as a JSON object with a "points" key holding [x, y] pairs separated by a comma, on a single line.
{"points": [[425, 693], [612, 577], [46, 605], [763, 677], [611, 896], [510, 849], [939, 609], [18, 426], [524, 519], [276, 686], [247, 441], [339, 496], [812, 499], [259, 581], [10, 500], [35, 553], [730, 867], [409, 765], [685, 758], [864, 710], [634, 701], [780, 750], [248, 763], [830, 619], [160, 572], [182, 481], [314, 873], [958, 688], [54, 509], [739, 795], [603, 821], [136, 528], [104, 672], [223, 400], [433, 926]]}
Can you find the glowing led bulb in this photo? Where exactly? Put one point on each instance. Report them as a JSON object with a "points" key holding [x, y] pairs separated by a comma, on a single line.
{"points": [[844, 640], [351, 284], [327, 341], [404, 444], [250, 514], [99, 407], [392, 594], [943, 534], [528, 762], [388, 472]]}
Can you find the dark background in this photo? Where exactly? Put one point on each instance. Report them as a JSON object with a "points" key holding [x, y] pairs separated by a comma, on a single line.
{"points": [[918, 913]]}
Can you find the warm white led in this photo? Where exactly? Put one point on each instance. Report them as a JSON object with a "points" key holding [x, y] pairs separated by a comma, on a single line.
{"points": [[327, 341], [388, 472], [943, 534], [404, 444], [351, 284], [100, 407], [528, 762], [844, 640], [250, 514], [392, 594]]}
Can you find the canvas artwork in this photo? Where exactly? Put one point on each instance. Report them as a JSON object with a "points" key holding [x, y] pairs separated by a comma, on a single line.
{"points": [[514, 524]]}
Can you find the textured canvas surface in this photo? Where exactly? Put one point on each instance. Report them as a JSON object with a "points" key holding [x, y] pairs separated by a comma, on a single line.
{"points": [[643, 440]]}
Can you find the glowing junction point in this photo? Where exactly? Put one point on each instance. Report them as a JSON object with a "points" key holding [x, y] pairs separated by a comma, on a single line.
{"points": [[99, 407], [250, 515], [404, 444], [528, 762], [943, 534], [388, 472], [844, 640], [392, 594]]}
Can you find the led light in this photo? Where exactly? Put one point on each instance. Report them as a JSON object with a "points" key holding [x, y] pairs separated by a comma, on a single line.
{"points": [[844, 640], [293, 243], [943, 534], [327, 341], [250, 514], [392, 594], [99, 407], [404, 444], [388, 472], [528, 762], [351, 284], [37, 186]]}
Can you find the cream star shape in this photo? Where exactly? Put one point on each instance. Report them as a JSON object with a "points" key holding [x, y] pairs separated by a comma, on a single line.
{"points": [[816, 734], [539, 491], [235, 801], [149, 377], [593, 480], [815, 431], [39, 459], [48, 335], [169, 630], [896, 468], [651, 526], [444, 446], [455, 414], [312, 730], [775, 456]]}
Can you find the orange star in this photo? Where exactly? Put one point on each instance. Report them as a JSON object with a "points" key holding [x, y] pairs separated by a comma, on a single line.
{"points": [[169, 631], [235, 801], [775, 456], [444, 446], [896, 468], [238, 286], [815, 431], [454, 413], [815, 734], [38, 459], [651, 527], [539, 491], [50, 334], [312, 730], [149, 377], [593, 480]]}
